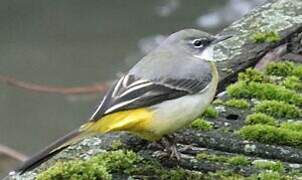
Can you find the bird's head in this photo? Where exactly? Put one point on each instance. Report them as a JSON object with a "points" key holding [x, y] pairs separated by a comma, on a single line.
{"points": [[194, 42]]}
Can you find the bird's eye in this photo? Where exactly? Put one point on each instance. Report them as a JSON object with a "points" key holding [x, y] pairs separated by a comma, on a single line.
{"points": [[199, 42]]}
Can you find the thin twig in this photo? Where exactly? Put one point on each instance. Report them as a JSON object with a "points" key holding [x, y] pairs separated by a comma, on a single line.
{"points": [[293, 57], [93, 88], [12, 153], [273, 55]]}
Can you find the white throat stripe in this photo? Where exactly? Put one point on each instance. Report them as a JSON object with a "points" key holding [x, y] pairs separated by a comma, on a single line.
{"points": [[207, 54]]}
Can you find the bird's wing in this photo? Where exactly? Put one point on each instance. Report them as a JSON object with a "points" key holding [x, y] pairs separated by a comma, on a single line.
{"points": [[131, 92]]}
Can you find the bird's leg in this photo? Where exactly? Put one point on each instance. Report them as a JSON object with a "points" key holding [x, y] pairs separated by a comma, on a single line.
{"points": [[170, 145], [156, 145]]}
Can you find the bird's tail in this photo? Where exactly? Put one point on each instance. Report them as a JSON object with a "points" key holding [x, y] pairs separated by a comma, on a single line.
{"points": [[51, 150], [135, 120]]}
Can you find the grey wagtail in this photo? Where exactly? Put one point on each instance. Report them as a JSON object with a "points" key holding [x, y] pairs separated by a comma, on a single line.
{"points": [[165, 91]]}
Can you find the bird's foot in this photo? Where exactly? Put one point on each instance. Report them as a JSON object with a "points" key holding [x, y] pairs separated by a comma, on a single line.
{"points": [[174, 153], [170, 146], [155, 145]]}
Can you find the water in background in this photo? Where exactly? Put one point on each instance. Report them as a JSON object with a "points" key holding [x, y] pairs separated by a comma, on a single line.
{"points": [[73, 43]]}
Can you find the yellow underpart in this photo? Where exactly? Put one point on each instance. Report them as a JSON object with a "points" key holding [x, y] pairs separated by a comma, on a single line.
{"points": [[136, 121]]}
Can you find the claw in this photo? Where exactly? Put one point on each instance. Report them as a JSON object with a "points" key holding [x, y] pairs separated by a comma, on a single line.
{"points": [[155, 145], [170, 146], [174, 153]]}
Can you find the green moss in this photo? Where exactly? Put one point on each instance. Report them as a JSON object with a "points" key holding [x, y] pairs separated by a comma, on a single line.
{"points": [[154, 169], [271, 135], [201, 124], [260, 118], [293, 82], [177, 174], [147, 167], [124, 163], [212, 157], [116, 144], [238, 160], [294, 126], [269, 175], [269, 165], [284, 68], [117, 160], [235, 160], [224, 175], [217, 102], [264, 91], [75, 170], [294, 174], [97, 167], [261, 37], [210, 112], [237, 103], [278, 109], [252, 75], [298, 71]]}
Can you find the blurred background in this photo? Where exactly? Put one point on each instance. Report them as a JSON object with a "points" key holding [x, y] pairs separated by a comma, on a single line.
{"points": [[78, 43]]}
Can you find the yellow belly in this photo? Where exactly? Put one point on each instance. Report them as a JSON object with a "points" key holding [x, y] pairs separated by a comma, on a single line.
{"points": [[135, 121]]}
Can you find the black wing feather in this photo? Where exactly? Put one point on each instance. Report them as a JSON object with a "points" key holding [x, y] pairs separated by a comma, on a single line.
{"points": [[145, 93]]}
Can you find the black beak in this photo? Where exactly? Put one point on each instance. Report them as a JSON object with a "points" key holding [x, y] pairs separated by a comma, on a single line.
{"points": [[220, 38]]}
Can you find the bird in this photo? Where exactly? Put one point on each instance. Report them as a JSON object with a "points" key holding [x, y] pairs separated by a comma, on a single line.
{"points": [[166, 90]]}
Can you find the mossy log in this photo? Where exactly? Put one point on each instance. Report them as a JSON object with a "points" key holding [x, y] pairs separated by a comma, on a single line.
{"points": [[257, 34], [281, 17]]}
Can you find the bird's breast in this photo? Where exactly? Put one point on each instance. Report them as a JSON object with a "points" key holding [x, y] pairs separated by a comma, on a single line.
{"points": [[172, 115]]}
